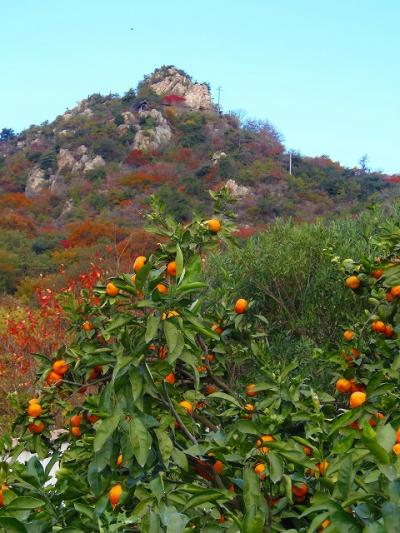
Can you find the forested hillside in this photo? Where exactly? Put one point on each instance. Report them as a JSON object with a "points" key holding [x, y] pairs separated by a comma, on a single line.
{"points": [[76, 188]]}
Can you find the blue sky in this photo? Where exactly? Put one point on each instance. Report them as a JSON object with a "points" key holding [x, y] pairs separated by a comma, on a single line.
{"points": [[324, 72]]}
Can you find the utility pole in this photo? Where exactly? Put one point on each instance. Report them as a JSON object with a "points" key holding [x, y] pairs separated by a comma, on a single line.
{"points": [[290, 163], [219, 89]]}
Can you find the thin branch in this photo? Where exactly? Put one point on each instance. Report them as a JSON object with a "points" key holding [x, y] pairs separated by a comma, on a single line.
{"points": [[177, 417], [204, 420]]}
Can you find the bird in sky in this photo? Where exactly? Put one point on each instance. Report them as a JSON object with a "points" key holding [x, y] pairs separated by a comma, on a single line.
{"points": [[131, 29]]}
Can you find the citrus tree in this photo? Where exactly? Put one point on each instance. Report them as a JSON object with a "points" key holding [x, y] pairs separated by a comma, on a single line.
{"points": [[171, 421]]}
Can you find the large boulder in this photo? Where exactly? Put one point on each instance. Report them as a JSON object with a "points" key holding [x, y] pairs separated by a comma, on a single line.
{"points": [[169, 80]]}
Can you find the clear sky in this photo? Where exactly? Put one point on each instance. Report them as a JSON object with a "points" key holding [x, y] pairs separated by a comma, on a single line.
{"points": [[326, 73]]}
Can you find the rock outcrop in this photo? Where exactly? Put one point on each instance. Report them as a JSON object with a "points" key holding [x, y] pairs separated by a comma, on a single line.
{"points": [[158, 134], [36, 182], [170, 80]]}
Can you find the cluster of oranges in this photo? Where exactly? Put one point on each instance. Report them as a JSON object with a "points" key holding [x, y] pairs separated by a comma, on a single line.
{"points": [[75, 422], [58, 369], [35, 410]]}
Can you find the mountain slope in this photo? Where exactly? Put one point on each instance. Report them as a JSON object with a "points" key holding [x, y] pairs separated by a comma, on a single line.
{"points": [[83, 180]]}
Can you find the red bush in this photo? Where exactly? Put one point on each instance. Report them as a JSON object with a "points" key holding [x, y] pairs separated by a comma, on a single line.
{"points": [[173, 99]]}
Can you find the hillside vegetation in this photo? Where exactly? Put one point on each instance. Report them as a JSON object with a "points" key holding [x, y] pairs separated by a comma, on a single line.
{"points": [[173, 416], [77, 187]]}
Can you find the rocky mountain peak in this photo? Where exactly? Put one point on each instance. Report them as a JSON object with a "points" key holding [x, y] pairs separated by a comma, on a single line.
{"points": [[170, 80]]}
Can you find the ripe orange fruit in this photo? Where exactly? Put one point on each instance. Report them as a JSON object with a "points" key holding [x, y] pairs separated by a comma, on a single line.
{"points": [[389, 297], [378, 273], [111, 289], [323, 467], [231, 487], [264, 438], [353, 282], [241, 306], [75, 431], [395, 291], [398, 435], [378, 326], [96, 372], [259, 469], [357, 398], [389, 331], [221, 519], [162, 289], [37, 427], [249, 407], [170, 378], [396, 448], [34, 409], [355, 353], [120, 459], [343, 385], [218, 467], [348, 335], [210, 389], [139, 262], [92, 419], [201, 368], [250, 389], [87, 326], [354, 425], [163, 352], [374, 420], [53, 378], [76, 420], [114, 494], [325, 524], [60, 367], [214, 225], [210, 357], [171, 268], [218, 330], [187, 406], [307, 450], [300, 491]]}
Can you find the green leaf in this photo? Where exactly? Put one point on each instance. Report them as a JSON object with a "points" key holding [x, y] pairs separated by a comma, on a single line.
{"points": [[136, 381], [165, 444], [151, 328], [386, 437], [180, 459], [12, 525], [377, 451], [171, 334], [224, 396], [247, 426], [84, 509], [179, 261], [254, 520], [276, 467], [104, 430], [343, 420], [25, 502], [174, 521], [345, 479], [205, 496], [391, 516], [140, 439]]}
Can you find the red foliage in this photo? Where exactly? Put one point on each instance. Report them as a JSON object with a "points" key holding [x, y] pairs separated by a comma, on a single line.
{"points": [[392, 179], [89, 232], [136, 158], [245, 232], [15, 200], [173, 99]]}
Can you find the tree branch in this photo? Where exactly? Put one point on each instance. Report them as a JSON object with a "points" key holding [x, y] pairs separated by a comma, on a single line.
{"points": [[169, 404]]}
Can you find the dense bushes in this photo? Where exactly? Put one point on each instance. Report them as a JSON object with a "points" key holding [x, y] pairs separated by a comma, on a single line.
{"points": [[290, 272]]}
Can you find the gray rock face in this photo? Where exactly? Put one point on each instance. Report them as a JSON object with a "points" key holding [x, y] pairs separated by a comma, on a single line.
{"points": [[237, 191], [197, 95], [35, 182], [152, 138]]}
